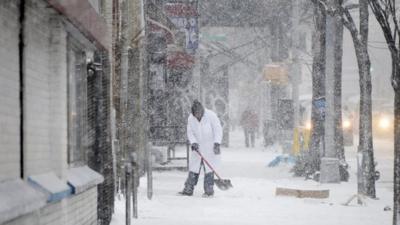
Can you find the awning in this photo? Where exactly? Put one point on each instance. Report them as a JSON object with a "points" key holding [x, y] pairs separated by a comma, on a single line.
{"points": [[180, 10], [83, 16]]}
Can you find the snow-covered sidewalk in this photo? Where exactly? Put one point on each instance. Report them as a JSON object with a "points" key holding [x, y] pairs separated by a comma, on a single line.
{"points": [[253, 200]]}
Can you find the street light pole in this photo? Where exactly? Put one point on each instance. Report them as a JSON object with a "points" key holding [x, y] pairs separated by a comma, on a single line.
{"points": [[296, 67], [147, 145]]}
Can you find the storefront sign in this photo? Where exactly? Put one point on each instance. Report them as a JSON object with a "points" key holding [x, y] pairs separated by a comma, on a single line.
{"points": [[179, 60]]}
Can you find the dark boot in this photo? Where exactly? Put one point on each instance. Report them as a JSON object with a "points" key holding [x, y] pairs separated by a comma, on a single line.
{"points": [[191, 181], [252, 138], [208, 184]]}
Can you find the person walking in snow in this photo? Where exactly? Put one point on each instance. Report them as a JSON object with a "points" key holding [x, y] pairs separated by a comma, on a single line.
{"points": [[204, 132], [249, 122]]}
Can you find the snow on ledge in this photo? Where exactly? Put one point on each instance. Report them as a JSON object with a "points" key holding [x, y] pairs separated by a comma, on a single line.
{"points": [[51, 185], [18, 198], [83, 178]]}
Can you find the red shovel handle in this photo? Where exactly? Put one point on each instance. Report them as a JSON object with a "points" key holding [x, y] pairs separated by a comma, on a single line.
{"points": [[208, 164]]}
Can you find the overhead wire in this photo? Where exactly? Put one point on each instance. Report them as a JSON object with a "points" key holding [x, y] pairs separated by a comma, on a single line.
{"points": [[226, 48]]}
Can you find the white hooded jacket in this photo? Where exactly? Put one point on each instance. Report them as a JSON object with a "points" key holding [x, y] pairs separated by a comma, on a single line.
{"points": [[205, 132]]}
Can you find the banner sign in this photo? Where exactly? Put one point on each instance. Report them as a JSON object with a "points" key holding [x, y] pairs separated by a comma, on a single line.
{"points": [[185, 18]]}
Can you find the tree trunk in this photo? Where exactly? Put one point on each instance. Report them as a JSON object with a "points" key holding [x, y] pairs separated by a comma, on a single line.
{"points": [[318, 87], [366, 172], [365, 127], [365, 138], [393, 45], [338, 90], [396, 197]]}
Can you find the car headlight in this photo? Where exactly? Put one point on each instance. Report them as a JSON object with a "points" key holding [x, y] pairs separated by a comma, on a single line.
{"points": [[308, 125], [346, 124], [384, 123]]}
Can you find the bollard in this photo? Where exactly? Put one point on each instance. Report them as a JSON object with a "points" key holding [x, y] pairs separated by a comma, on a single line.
{"points": [[128, 189], [134, 180]]}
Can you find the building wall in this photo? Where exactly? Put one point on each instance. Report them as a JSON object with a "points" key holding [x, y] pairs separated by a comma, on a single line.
{"points": [[45, 108], [58, 104], [80, 209], [45, 113], [9, 91]]}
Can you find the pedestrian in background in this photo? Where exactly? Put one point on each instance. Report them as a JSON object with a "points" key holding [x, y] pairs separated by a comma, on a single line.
{"points": [[249, 123]]}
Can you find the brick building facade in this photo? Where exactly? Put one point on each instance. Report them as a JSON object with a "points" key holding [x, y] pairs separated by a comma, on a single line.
{"points": [[54, 113]]}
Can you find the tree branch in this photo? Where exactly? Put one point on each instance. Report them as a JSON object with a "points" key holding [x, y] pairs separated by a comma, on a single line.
{"points": [[381, 14], [348, 22], [383, 10]]}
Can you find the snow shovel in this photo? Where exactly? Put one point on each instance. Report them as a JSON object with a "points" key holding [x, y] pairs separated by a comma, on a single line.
{"points": [[222, 184]]}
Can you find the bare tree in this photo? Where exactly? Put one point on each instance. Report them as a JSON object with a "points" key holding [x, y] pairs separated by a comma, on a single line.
{"points": [[386, 14], [366, 180], [366, 172]]}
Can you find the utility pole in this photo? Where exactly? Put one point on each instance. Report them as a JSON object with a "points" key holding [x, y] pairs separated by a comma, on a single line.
{"points": [[125, 32], [296, 67], [330, 162], [124, 77], [129, 100]]}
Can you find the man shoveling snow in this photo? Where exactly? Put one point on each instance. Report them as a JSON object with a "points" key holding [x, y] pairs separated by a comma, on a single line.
{"points": [[204, 133]]}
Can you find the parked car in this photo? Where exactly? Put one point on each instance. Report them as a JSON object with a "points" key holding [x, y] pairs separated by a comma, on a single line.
{"points": [[347, 122]]}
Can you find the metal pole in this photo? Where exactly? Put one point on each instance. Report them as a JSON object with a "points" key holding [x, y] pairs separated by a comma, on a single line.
{"points": [[134, 182], [135, 179], [128, 182], [149, 170]]}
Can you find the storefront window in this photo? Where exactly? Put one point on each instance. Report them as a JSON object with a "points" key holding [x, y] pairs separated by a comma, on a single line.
{"points": [[77, 105]]}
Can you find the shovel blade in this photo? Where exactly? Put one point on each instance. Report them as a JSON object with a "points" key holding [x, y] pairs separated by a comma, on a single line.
{"points": [[223, 184]]}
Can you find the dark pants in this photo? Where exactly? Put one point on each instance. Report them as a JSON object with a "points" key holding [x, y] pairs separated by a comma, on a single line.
{"points": [[249, 134], [192, 179]]}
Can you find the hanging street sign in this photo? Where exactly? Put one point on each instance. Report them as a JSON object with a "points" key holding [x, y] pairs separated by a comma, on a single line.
{"points": [[276, 74]]}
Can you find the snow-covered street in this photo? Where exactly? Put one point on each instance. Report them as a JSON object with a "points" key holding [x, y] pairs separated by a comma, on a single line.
{"points": [[253, 200], [199, 112]]}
